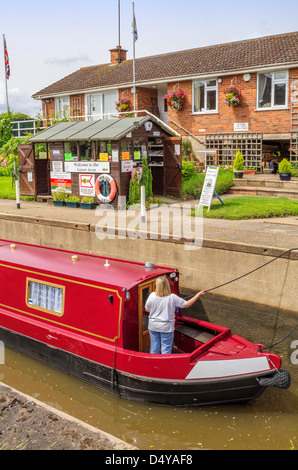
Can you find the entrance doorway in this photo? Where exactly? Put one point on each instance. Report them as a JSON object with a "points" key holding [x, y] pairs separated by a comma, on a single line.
{"points": [[34, 171], [144, 290]]}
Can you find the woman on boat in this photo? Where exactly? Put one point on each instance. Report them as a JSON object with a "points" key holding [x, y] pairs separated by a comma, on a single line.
{"points": [[161, 306]]}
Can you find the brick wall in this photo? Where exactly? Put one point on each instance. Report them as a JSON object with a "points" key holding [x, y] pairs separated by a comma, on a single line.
{"points": [[268, 122], [146, 99]]}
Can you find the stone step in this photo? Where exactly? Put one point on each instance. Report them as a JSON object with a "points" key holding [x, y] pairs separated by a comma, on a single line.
{"points": [[264, 191], [267, 183]]}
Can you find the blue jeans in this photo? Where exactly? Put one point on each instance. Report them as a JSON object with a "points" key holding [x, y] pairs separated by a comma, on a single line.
{"points": [[161, 341]]}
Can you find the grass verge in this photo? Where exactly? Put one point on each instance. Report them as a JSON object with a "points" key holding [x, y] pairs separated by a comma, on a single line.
{"points": [[251, 207], [8, 190]]}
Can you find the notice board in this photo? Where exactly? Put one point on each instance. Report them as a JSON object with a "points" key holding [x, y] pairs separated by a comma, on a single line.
{"points": [[209, 186]]}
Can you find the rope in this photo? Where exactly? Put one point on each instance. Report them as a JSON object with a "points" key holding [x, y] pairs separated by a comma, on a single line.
{"points": [[253, 271], [281, 341], [247, 274], [250, 272]]}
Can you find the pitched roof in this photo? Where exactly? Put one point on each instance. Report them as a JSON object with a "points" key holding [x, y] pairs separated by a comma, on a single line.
{"points": [[228, 57], [109, 129]]}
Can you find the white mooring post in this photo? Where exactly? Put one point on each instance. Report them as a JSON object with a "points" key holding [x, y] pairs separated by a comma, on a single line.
{"points": [[143, 204]]}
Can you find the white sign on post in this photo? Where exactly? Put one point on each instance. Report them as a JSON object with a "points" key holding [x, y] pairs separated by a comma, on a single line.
{"points": [[209, 186]]}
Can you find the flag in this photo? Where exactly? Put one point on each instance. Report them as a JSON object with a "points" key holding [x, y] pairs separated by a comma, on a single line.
{"points": [[6, 59], [134, 26]]}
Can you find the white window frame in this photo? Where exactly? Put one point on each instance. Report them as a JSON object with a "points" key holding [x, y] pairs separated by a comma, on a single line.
{"points": [[206, 88], [275, 81], [60, 113], [100, 115]]}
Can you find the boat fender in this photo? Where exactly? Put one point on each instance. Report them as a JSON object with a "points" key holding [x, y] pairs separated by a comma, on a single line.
{"points": [[106, 179], [281, 379]]}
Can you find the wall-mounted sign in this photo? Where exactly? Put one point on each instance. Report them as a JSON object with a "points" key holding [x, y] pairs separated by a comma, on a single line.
{"points": [[104, 157], [56, 152], [60, 180], [87, 167], [177, 149], [87, 185], [126, 166], [241, 126], [115, 156], [57, 167], [125, 155]]}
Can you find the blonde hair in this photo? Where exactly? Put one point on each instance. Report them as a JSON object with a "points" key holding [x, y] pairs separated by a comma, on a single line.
{"points": [[162, 288]]}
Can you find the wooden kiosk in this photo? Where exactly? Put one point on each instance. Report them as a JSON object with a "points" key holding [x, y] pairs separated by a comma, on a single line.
{"points": [[93, 157]]}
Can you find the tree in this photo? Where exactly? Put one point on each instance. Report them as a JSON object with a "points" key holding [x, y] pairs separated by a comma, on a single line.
{"points": [[5, 129], [134, 190], [146, 179]]}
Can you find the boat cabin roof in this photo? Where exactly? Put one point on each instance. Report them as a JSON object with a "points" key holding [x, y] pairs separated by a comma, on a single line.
{"points": [[90, 268]]}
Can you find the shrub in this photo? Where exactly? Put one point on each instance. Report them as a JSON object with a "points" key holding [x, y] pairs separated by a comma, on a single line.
{"points": [[9, 155], [146, 179], [195, 184], [87, 200], [284, 166], [134, 190], [72, 198], [238, 162], [5, 129], [60, 195], [188, 170]]}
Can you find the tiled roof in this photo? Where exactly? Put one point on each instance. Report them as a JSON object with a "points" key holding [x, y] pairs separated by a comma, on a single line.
{"points": [[229, 57]]}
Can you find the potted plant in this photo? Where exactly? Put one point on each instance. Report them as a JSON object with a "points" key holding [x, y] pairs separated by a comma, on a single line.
{"points": [[175, 99], [87, 202], [250, 170], [238, 165], [232, 96], [59, 197], [285, 170], [73, 201]]}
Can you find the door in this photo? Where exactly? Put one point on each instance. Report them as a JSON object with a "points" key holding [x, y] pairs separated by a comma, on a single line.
{"points": [[27, 170], [172, 166], [94, 106], [143, 294]]}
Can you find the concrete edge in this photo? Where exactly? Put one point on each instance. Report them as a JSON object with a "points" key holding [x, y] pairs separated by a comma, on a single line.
{"points": [[205, 243], [100, 439]]}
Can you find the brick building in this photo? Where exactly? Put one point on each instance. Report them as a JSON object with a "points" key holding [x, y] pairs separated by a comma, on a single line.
{"points": [[265, 70]]}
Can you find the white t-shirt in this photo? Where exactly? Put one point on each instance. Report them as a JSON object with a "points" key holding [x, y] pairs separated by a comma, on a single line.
{"points": [[162, 312]]}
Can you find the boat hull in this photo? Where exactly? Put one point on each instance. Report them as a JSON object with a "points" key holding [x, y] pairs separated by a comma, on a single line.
{"points": [[242, 389]]}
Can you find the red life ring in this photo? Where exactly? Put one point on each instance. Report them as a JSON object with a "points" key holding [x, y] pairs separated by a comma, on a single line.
{"points": [[109, 187]]}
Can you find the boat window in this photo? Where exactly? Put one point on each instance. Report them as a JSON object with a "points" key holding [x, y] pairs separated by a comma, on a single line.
{"points": [[45, 297]]}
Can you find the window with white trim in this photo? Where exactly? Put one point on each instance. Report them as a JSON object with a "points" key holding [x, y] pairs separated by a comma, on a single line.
{"points": [[273, 90], [45, 296], [100, 105], [205, 96], [62, 107]]}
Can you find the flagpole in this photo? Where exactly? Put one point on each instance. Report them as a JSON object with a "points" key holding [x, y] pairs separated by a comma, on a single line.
{"points": [[119, 34], [134, 56], [7, 105]]}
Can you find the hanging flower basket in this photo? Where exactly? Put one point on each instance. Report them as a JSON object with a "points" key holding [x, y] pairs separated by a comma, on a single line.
{"points": [[232, 96], [175, 100], [123, 105]]}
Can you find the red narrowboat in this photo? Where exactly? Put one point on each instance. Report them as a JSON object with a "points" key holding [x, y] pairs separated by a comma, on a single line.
{"points": [[85, 315]]}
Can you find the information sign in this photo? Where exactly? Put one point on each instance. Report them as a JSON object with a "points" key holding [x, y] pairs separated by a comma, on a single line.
{"points": [[209, 186]]}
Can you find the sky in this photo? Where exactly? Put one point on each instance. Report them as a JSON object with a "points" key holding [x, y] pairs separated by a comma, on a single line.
{"points": [[47, 41]]}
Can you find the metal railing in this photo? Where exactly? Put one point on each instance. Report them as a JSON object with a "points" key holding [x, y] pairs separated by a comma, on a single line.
{"points": [[21, 128]]}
